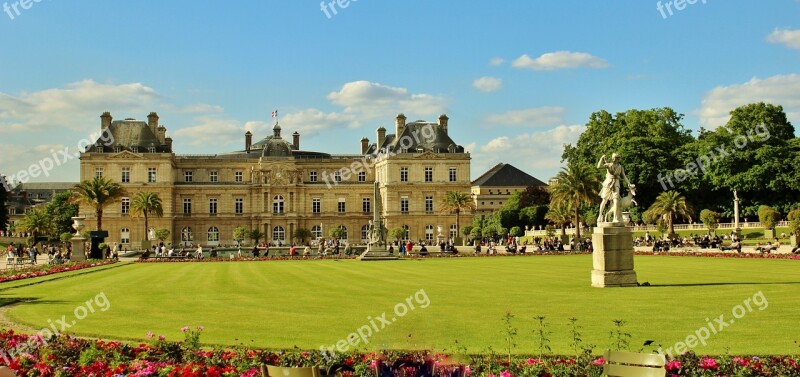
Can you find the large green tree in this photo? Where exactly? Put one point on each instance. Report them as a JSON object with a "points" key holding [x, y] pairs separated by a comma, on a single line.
{"points": [[576, 185], [650, 142], [146, 203], [97, 193], [61, 211], [37, 223]]}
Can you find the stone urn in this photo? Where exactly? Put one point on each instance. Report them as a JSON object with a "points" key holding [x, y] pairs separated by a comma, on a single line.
{"points": [[78, 223]]}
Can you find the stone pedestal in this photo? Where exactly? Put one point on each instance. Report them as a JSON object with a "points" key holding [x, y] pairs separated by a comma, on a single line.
{"points": [[612, 256], [377, 253], [78, 248]]}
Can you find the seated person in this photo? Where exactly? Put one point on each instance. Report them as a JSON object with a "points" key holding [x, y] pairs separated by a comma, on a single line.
{"points": [[423, 250], [522, 249]]}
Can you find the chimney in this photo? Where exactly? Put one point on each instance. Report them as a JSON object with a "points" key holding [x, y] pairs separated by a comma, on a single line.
{"points": [[248, 141], [105, 120], [296, 140], [162, 134], [400, 125], [168, 142], [443, 122], [364, 145], [152, 122], [381, 137]]}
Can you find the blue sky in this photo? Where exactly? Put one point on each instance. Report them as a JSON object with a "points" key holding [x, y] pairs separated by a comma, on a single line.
{"points": [[518, 79]]}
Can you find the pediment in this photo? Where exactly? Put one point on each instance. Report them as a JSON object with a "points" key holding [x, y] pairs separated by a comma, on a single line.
{"points": [[428, 155], [126, 155]]}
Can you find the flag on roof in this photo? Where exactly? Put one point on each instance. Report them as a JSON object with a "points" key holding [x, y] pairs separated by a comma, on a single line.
{"points": [[275, 114]]}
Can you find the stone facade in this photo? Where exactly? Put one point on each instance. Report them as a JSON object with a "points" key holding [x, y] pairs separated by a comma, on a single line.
{"points": [[276, 187]]}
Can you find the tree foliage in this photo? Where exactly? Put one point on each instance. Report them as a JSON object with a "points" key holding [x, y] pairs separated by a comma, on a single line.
{"points": [[146, 203], [768, 217], [240, 233], [669, 205], [97, 193], [37, 223], [302, 234], [710, 219], [61, 211], [576, 185], [398, 233], [162, 234]]}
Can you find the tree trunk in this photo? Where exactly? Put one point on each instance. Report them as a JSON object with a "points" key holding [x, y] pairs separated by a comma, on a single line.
{"points": [[146, 227], [458, 226], [99, 214]]}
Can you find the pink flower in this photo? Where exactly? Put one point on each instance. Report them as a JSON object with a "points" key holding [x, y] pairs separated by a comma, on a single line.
{"points": [[162, 338], [531, 361], [599, 361], [185, 328], [506, 373], [468, 371], [149, 335], [708, 363], [200, 328], [674, 365]]}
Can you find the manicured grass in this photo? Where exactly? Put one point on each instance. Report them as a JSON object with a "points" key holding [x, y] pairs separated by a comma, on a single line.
{"points": [[281, 304]]}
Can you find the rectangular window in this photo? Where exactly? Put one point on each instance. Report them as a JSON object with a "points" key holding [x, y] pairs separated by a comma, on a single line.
{"points": [[342, 205], [316, 205], [126, 175], [428, 174], [312, 176], [429, 204], [404, 205], [238, 176], [362, 176], [212, 206], [213, 176], [187, 206], [126, 206], [151, 175], [337, 176], [366, 206], [187, 176], [238, 205], [453, 174], [98, 172], [403, 174]]}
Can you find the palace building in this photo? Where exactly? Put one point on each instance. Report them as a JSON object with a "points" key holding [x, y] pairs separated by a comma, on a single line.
{"points": [[277, 187]]}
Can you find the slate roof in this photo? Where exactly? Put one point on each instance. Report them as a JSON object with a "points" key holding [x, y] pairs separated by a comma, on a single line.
{"points": [[504, 175], [419, 136], [127, 134]]}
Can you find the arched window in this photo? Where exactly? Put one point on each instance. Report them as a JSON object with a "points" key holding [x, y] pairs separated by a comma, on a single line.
{"points": [[428, 232], [316, 231], [278, 234], [408, 232], [365, 233], [125, 236], [213, 234], [344, 231], [186, 235], [453, 231]]}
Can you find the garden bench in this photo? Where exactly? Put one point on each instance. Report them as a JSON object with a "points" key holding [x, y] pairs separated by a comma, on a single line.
{"points": [[630, 364]]}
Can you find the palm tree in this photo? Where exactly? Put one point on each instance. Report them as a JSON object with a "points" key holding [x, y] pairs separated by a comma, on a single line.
{"points": [[145, 203], [456, 201], [576, 185], [560, 214], [97, 193], [668, 206], [37, 222]]}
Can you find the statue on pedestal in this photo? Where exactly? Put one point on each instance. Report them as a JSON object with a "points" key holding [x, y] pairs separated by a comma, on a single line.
{"points": [[611, 188]]}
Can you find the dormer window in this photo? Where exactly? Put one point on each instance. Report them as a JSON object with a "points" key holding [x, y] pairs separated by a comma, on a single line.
{"points": [[151, 150], [135, 149], [117, 149]]}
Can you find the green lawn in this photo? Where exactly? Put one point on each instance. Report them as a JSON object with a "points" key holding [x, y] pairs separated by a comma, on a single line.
{"points": [[281, 304]]}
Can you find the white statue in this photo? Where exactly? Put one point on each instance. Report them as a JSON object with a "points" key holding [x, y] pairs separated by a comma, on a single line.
{"points": [[610, 191]]}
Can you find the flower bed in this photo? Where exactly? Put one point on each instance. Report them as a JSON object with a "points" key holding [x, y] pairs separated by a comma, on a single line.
{"points": [[719, 255], [46, 269], [65, 356]]}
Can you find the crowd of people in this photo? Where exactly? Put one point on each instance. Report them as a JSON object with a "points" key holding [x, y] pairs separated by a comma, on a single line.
{"points": [[55, 254]]}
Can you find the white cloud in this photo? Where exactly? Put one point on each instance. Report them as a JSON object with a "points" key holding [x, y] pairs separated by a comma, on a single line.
{"points": [[366, 101], [310, 122], [203, 108], [60, 107], [488, 84], [211, 131], [781, 90], [559, 60], [537, 116], [496, 62], [786, 37], [536, 153]]}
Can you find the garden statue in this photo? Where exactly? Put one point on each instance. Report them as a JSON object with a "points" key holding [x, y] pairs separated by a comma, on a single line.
{"points": [[611, 188]]}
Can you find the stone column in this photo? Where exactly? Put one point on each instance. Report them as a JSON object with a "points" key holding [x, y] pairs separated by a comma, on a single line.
{"points": [[612, 256], [78, 248]]}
